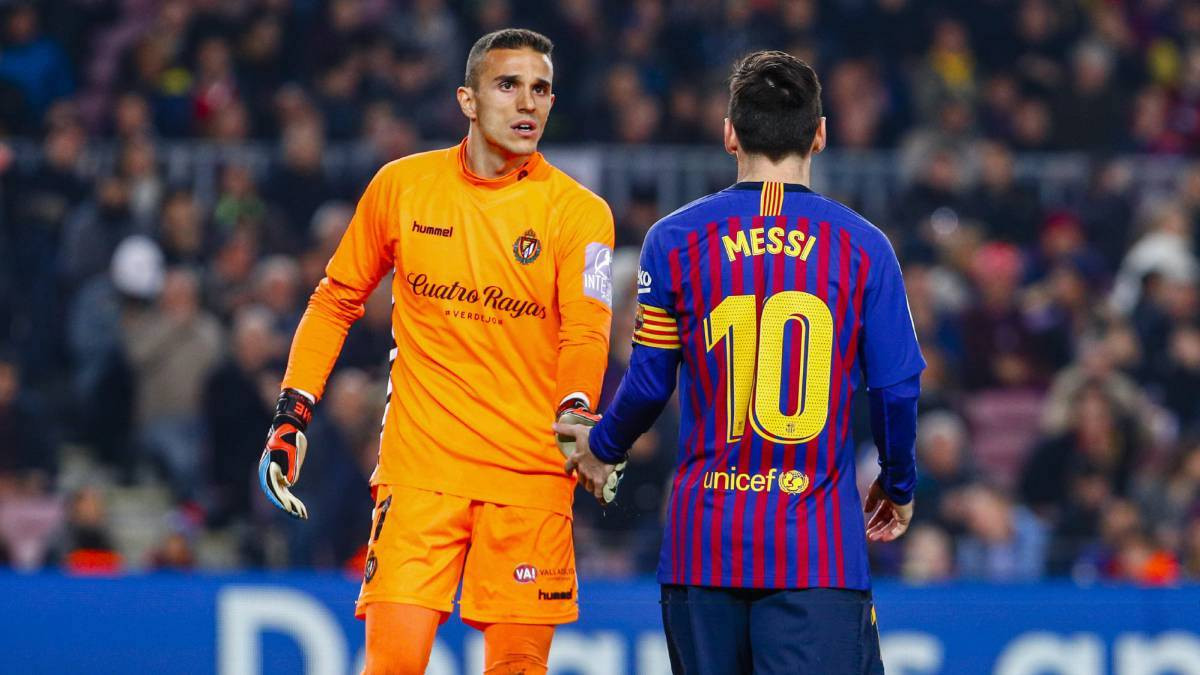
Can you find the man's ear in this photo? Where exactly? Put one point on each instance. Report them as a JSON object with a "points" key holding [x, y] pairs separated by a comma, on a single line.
{"points": [[819, 138], [731, 139], [466, 102]]}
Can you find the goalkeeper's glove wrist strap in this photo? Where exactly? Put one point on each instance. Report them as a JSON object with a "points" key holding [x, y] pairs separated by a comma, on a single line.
{"points": [[293, 407], [571, 404]]}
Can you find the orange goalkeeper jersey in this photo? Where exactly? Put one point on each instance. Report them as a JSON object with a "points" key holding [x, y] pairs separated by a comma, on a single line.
{"points": [[501, 308]]}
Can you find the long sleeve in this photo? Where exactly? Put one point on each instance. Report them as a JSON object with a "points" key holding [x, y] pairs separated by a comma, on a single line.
{"points": [[894, 427], [653, 366], [643, 393], [363, 257], [584, 298]]}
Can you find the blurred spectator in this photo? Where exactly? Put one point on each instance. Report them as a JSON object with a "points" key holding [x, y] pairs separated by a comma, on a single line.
{"points": [[636, 219], [1090, 111], [1040, 46], [175, 553], [1100, 364], [942, 457], [936, 188], [103, 381], [277, 289], [93, 231], [928, 555], [1033, 127], [171, 349], [85, 545], [38, 202], [337, 97], [328, 225], [1100, 444], [1004, 541], [260, 66], [27, 453], [389, 135], [34, 62], [298, 185], [1151, 131], [1165, 250], [239, 398], [855, 88], [131, 116], [182, 234], [1008, 209], [948, 71], [1000, 348], [139, 168], [1140, 560], [239, 204], [1107, 211], [1168, 504]]}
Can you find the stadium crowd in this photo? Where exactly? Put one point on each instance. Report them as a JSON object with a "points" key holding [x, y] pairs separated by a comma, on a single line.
{"points": [[143, 328]]}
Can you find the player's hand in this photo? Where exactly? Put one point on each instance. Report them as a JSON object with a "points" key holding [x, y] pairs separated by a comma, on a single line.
{"points": [[279, 466], [574, 424], [573, 412], [888, 520]]}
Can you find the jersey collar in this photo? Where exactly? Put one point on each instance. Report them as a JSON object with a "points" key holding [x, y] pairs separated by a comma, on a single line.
{"points": [[757, 185], [532, 167]]}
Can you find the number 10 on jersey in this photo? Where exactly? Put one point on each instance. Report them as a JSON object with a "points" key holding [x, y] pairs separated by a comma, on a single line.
{"points": [[756, 367]]}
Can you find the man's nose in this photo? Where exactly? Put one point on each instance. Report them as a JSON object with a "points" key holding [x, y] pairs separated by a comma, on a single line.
{"points": [[526, 101]]}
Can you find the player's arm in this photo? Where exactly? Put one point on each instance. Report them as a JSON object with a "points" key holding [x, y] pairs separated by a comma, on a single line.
{"points": [[894, 428], [645, 388], [363, 257], [892, 364], [643, 393], [584, 292], [584, 279]]}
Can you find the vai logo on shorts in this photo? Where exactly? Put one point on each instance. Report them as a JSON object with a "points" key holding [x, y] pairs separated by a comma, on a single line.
{"points": [[525, 574], [527, 247]]}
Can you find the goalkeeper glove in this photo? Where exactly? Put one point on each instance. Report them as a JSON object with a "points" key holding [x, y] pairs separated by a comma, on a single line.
{"points": [[575, 411], [279, 467]]}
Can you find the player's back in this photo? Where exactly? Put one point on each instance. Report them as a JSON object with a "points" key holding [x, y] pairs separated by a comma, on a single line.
{"points": [[768, 285]]}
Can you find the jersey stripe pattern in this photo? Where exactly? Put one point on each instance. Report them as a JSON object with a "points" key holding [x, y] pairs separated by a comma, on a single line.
{"points": [[771, 290]]}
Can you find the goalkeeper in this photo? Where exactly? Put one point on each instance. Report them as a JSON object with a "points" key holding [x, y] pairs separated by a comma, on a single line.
{"points": [[500, 282]]}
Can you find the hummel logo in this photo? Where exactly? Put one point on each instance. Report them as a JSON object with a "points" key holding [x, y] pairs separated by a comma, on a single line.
{"points": [[437, 231]]}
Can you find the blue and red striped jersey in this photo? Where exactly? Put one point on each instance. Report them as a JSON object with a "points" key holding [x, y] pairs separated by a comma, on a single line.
{"points": [[777, 302]]}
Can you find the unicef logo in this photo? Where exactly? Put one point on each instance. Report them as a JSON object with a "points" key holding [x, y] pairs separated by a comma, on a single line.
{"points": [[793, 482]]}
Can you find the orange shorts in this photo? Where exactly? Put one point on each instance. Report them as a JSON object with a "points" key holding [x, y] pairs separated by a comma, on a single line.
{"points": [[516, 564]]}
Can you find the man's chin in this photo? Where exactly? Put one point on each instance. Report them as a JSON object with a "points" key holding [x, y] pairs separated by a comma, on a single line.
{"points": [[517, 146]]}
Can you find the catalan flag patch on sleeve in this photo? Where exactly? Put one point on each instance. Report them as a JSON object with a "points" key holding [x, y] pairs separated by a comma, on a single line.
{"points": [[653, 327]]}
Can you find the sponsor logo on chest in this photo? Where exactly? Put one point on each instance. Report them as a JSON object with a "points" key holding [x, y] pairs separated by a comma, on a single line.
{"points": [[446, 232]]}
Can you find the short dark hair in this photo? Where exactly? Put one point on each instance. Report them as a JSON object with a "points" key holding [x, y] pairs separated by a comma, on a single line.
{"points": [[508, 38], [774, 104]]}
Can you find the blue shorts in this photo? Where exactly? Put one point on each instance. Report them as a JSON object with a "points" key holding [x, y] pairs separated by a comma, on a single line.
{"points": [[737, 630]]}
